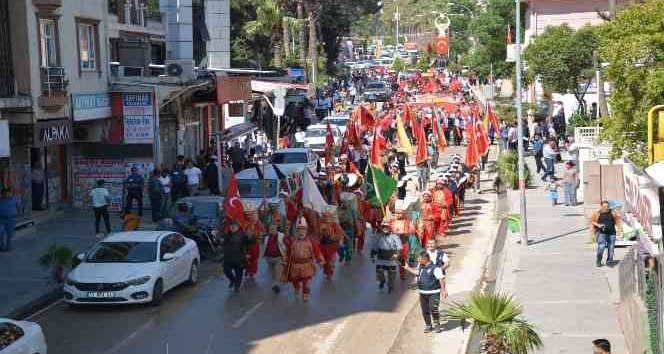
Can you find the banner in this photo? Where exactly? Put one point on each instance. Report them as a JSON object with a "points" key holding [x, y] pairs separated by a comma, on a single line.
{"points": [[138, 112], [443, 45], [86, 173]]}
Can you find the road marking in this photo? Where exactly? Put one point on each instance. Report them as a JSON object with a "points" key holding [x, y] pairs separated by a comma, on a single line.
{"points": [[327, 344], [29, 318], [210, 342], [129, 338], [247, 315]]}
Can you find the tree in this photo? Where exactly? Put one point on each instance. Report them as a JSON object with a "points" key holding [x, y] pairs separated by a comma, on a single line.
{"points": [[562, 59], [633, 46], [268, 22], [246, 50], [497, 318], [398, 65]]}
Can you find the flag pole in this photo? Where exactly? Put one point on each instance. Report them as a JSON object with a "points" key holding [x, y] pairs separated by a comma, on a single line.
{"points": [[519, 118]]}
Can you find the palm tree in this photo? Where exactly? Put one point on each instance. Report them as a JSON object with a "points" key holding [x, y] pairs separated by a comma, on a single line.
{"points": [[496, 317], [269, 18], [313, 9], [302, 37]]}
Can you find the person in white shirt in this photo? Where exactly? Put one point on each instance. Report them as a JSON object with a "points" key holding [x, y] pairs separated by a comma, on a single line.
{"points": [[550, 155], [431, 284], [352, 92], [100, 199], [193, 177], [165, 180], [299, 138]]}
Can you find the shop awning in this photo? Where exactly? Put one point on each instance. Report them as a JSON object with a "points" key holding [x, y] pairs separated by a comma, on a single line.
{"points": [[239, 130], [269, 86]]}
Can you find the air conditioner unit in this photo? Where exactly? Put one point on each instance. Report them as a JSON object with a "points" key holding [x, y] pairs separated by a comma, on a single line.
{"points": [[180, 68], [130, 71]]}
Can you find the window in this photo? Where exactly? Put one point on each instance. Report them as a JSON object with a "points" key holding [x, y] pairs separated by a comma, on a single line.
{"points": [[9, 333], [123, 252], [87, 41], [48, 42]]}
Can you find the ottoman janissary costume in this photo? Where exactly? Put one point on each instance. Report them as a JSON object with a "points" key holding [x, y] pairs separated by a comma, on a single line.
{"points": [[429, 218], [347, 221], [402, 225], [331, 235], [444, 199], [254, 230], [364, 210], [300, 259]]}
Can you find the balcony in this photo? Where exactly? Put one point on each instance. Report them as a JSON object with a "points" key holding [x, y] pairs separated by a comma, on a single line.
{"points": [[47, 4], [54, 87]]}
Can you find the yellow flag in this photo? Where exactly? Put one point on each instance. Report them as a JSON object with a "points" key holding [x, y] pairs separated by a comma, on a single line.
{"points": [[403, 138]]}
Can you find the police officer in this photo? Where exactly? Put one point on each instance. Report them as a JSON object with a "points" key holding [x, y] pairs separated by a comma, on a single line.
{"points": [[134, 186], [386, 248], [179, 180], [431, 284], [439, 257]]}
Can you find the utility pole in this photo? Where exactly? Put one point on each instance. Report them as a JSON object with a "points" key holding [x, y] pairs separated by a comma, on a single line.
{"points": [[519, 119], [602, 107]]}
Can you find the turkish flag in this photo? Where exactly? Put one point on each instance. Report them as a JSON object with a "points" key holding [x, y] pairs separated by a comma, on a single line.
{"points": [[409, 116], [232, 202], [493, 119], [379, 144], [366, 119], [422, 151], [481, 137], [442, 45], [329, 143], [472, 155], [442, 143]]}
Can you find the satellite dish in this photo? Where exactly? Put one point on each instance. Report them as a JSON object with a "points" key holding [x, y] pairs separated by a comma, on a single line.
{"points": [[173, 70]]}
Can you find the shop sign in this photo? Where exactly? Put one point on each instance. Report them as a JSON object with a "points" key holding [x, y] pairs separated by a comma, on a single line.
{"points": [[4, 138], [91, 106], [88, 171], [138, 113], [233, 88], [642, 200], [52, 132]]}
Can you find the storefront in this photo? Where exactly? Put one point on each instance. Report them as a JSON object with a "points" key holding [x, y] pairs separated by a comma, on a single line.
{"points": [[49, 165]]}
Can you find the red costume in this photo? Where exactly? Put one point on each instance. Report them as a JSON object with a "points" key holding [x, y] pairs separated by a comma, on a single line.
{"points": [[300, 259], [443, 198], [429, 219], [364, 211], [402, 225], [331, 234], [255, 230]]}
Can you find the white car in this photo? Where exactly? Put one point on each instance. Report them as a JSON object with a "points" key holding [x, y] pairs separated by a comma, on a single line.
{"points": [[317, 136], [132, 267], [21, 337], [341, 121], [293, 160]]}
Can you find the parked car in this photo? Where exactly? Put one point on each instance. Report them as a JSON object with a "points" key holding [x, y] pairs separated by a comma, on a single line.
{"points": [[294, 160], [21, 337], [377, 91], [317, 135], [132, 267]]}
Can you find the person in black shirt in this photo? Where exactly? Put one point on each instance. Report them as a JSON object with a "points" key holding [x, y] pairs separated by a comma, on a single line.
{"points": [[605, 224], [134, 186], [236, 243]]}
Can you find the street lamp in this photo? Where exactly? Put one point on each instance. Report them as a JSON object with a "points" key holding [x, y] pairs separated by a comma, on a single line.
{"points": [[472, 14], [519, 119]]}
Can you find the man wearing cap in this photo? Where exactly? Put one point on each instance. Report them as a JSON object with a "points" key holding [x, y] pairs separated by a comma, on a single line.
{"points": [[331, 235], [429, 218], [347, 221], [254, 230], [8, 213], [134, 186], [300, 258], [236, 244], [385, 252]]}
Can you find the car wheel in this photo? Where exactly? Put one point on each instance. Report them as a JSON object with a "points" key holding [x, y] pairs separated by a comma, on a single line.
{"points": [[157, 293], [193, 273]]}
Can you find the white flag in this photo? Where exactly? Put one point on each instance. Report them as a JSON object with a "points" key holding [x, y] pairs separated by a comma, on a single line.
{"points": [[311, 196]]}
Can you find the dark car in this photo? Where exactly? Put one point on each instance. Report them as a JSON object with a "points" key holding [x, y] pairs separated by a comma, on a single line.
{"points": [[377, 91]]}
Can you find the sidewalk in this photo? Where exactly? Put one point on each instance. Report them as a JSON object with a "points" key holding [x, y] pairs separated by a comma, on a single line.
{"points": [[570, 301], [24, 284]]}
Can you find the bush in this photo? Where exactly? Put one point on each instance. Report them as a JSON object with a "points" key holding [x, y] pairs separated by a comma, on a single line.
{"points": [[580, 120], [508, 170]]}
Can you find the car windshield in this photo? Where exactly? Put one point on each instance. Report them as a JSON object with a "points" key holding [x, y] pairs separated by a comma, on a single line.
{"points": [[256, 188], [316, 133], [291, 157], [376, 85], [123, 252], [205, 209], [338, 121]]}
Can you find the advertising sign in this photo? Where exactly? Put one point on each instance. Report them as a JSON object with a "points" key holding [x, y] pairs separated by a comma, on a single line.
{"points": [[138, 112], [52, 132], [233, 88], [86, 174], [91, 106]]}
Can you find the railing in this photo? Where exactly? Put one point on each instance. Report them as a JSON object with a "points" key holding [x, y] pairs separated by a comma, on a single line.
{"points": [[135, 13], [53, 79]]}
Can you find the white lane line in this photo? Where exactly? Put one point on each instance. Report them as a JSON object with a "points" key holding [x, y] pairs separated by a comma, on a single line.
{"points": [[166, 347], [210, 342], [246, 316], [29, 318], [130, 337], [328, 343]]}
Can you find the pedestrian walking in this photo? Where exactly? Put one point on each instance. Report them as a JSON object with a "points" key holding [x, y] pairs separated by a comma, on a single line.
{"points": [[422, 176], [165, 180], [156, 195], [212, 176], [8, 213], [134, 186], [385, 253], [550, 155], [275, 249], [178, 180], [605, 223], [570, 183], [236, 245], [431, 285], [601, 346], [193, 177], [100, 200], [438, 256], [237, 157], [538, 151]]}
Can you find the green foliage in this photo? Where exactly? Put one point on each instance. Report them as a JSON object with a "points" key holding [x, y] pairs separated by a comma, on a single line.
{"points": [[580, 120], [633, 45], [651, 311], [497, 318], [57, 257], [562, 59], [398, 65], [508, 167]]}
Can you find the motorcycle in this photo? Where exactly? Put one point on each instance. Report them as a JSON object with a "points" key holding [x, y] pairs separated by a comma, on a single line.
{"points": [[208, 238]]}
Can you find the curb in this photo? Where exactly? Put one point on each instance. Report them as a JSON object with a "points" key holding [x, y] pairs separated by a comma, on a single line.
{"points": [[33, 306]]}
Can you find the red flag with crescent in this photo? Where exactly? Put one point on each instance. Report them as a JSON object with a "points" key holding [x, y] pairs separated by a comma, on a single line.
{"points": [[481, 138], [378, 145], [232, 202], [472, 155], [493, 119], [422, 150]]}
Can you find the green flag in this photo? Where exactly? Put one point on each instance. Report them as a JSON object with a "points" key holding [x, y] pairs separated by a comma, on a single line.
{"points": [[379, 186]]}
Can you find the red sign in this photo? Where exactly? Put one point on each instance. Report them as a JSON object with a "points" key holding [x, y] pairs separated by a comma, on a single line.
{"points": [[410, 46], [443, 45], [233, 88]]}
